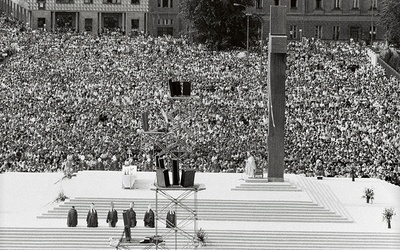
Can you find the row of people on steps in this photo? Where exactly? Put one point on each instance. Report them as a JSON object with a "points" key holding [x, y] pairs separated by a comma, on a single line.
{"points": [[112, 217]]}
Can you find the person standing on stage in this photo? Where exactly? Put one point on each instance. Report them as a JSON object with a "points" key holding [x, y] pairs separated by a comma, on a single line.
{"points": [[91, 218], [72, 219], [149, 217], [114, 163], [112, 216], [132, 215], [250, 165]]}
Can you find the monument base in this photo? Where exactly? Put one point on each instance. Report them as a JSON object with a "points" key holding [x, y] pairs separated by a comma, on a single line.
{"points": [[274, 179]]}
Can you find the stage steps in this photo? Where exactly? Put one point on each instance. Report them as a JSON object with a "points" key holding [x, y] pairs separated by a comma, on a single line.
{"points": [[255, 184], [98, 238], [321, 194], [228, 210]]}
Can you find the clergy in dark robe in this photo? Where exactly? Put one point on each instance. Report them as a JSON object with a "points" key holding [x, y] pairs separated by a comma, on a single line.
{"points": [[112, 216], [72, 219], [149, 217], [171, 218], [91, 218], [132, 216]]}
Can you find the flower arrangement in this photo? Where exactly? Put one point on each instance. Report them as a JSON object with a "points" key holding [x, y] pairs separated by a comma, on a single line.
{"points": [[201, 237], [368, 194], [387, 215], [61, 196]]}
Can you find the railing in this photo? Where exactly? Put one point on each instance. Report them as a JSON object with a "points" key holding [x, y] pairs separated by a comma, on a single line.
{"points": [[375, 59], [388, 69]]}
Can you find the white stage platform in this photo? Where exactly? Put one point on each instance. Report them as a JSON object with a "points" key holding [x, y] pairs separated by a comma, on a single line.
{"points": [[24, 196]]}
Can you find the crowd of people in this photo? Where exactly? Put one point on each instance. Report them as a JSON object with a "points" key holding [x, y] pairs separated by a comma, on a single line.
{"points": [[81, 97], [341, 111]]}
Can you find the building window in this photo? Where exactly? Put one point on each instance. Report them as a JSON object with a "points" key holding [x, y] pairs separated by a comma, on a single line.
{"points": [[374, 4], [293, 31], [88, 24], [162, 31], [88, 1], [41, 4], [165, 3], [135, 1], [41, 22], [318, 4], [135, 24], [259, 4], [336, 30], [276, 2], [112, 1], [318, 32], [65, 1], [293, 4], [356, 4], [336, 4], [165, 21]]}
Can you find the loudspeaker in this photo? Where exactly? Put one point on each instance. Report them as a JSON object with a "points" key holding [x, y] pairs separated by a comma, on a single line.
{"points": [[161, 163], [163, 177], [145, 121], [175, 172], [175, 88], [157, 162], [125, 217], [187, 179], [186, 88]]}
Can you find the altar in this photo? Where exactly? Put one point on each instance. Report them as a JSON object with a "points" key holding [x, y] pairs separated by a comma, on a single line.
{"points": [[129, 176]]}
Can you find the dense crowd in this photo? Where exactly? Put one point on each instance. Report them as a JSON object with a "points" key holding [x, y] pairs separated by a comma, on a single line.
{"points": [[81, 97], [342, 111]]}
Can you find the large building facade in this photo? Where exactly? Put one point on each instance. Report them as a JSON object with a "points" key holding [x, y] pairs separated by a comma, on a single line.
{"points": [[331, 19], [322, 19], [93, 16]]}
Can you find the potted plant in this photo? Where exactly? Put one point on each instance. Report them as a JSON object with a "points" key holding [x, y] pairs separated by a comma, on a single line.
{"points": [[368, 194], [387, 215], [201, 238]]}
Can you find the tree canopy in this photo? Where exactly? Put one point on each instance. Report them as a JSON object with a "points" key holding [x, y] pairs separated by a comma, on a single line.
{"points": [[217, 23], [390, 20]]}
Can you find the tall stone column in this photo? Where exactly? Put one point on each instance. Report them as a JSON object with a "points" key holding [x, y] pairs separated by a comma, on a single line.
{"points": [[53, 21], [276, 82], [77, 21], [100, 22]]}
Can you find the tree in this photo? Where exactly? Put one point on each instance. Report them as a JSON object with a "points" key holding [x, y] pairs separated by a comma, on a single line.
{"points": [[390, 20], [217, 23]]}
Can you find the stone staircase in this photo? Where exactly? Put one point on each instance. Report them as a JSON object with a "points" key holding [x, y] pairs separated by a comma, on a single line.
{"points": [[98, 238], [208, 210]]}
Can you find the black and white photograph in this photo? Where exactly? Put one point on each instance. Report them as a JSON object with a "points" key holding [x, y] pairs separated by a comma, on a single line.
{"points": [[199, 124]]}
